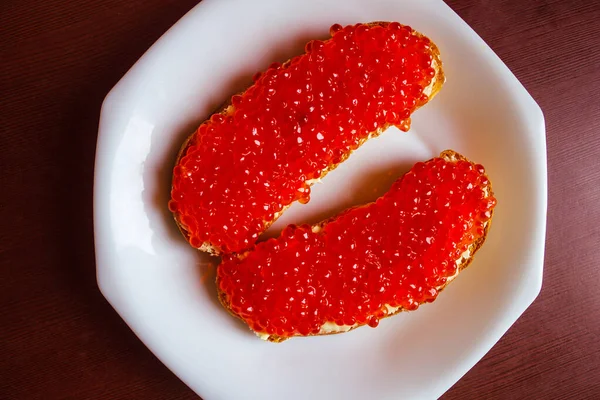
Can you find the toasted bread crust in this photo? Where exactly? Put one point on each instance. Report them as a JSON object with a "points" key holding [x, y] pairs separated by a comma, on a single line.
{"points": [[227, 109], [449, 155]]}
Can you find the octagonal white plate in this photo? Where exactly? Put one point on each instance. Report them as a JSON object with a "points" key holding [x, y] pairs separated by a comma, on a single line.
{"points": [[164, 289]]}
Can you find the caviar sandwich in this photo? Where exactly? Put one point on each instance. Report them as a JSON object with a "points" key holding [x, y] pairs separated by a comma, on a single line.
{"points": [[246, 164], [367, 263]]}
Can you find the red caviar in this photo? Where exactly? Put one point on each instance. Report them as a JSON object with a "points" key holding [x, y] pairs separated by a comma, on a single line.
{"points": [[397, 252], [243, 166]]}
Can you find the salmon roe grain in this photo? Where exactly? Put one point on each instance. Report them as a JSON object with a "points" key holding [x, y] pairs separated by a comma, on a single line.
{"points": [[396, 252], [244, 166]]}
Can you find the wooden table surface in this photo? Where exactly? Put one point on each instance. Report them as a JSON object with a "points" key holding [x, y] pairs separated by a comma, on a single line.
{"points": [[59, 339]]}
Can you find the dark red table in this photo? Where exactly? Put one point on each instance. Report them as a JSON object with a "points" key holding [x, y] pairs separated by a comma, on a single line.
{"points": [[59, 339]]}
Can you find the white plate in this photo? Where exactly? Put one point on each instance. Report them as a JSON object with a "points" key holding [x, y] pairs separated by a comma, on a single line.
{"points": [[164, 289]]}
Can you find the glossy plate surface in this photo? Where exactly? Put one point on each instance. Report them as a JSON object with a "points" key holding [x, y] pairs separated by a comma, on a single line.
{"points": [[164, 289]]}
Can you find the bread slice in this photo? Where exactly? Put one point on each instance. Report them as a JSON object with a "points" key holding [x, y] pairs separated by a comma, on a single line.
{"points": [[332, 328], [431, 90]]}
